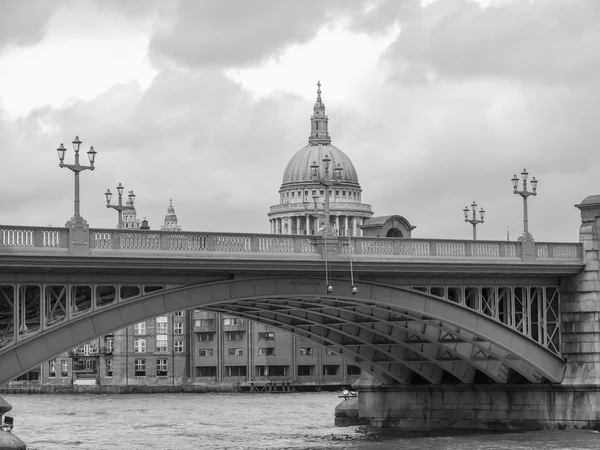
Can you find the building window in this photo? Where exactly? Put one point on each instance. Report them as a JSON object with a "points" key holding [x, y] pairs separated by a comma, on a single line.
{"points": [[139, 328], [162, 367], [266, 351], [110, 343], [109, 367], [64, 368], [205, 337], [233, 321], [235, 352], [140, 368], [322, 192], [306, 193], [178, 328], [314, 193], [178, 346], [139, 345], [305, 371], [205, 352], [271, 371], [330, 370], [161, 325], [204, 322], [235, 371], [52, 368], [292, 194], [353, 370], [305, 351], [208, 371], [266, 335], [337, 192], [162, 343], [344, 193], [235, 336], [178, 313]]}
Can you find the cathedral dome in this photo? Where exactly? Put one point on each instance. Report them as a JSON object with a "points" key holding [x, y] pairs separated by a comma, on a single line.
{"points": [[320, 189], [319, 147], [298, 169]]}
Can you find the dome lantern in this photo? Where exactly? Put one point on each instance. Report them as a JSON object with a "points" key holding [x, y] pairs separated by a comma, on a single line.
{"points": [[319, 132]]}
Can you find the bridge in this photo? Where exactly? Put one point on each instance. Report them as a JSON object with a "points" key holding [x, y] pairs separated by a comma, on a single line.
{"points": [[486, 328]]}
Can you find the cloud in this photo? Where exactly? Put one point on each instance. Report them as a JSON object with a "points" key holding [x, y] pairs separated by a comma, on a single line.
{"points": [[24, 22], [552, 41], [216, 33], [195, 137], [423, 149]]}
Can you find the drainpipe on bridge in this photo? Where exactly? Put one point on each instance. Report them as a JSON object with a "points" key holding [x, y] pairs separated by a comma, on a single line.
{"points": [[79, 236]]}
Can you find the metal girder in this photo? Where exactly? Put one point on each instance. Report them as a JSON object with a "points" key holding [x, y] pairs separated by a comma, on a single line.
{"points": [[426, 354], [489, 341], [327, 340]]}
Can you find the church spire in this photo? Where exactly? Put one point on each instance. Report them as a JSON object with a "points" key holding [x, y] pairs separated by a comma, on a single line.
{"points": [[171, 219], [319, 133]]}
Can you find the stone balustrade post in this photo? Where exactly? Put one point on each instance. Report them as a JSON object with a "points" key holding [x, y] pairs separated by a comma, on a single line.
{"points": [[79, 236], [328, 245]]}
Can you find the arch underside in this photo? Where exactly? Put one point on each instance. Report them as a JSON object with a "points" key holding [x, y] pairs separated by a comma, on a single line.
{"points": [[392, 332]]}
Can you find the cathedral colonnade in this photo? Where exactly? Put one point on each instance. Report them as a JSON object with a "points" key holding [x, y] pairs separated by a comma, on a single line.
{"points": [[346, 225]]}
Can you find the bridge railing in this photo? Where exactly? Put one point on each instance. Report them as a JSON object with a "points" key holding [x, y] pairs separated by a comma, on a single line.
{"points": [[40, 237], [459, 248], [19, 238]]}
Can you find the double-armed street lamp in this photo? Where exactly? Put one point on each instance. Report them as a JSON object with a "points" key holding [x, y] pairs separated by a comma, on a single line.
{"points": [[120, 207], [474, 221], [525, 193], [327, 182], [76, 168]]}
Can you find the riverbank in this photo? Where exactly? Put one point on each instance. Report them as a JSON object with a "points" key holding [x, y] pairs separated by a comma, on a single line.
{"points": [[198, 388]]}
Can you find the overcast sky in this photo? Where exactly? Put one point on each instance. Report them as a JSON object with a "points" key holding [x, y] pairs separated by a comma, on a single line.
{"points": [[437, 103]]}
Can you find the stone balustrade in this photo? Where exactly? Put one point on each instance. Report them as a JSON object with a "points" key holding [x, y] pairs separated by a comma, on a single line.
{"points": [[28, 239]]}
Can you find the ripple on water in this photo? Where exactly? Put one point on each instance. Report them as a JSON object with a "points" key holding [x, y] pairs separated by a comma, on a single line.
{"points": [[302, 421]]}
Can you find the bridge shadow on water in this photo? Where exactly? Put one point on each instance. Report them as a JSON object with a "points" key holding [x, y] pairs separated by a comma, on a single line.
{"points": [[368, 437]]}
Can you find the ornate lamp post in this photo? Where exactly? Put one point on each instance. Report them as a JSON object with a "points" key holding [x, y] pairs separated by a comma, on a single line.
{"points": [[525, 193], [474, 220], [76, 168], [327, 182], [120, 207]]}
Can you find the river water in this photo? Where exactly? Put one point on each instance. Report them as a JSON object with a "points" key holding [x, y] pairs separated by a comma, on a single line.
{"points": [[294, 421]]}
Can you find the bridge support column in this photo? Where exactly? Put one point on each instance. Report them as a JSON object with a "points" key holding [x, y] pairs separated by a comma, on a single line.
{"points": [[462, 406], [580, 307]]}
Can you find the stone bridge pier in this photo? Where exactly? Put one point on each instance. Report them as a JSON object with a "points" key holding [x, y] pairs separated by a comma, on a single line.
{"points": [[518, 405]]}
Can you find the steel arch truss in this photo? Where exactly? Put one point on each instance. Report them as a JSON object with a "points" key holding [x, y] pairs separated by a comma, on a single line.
{"points": [[392, 332]]}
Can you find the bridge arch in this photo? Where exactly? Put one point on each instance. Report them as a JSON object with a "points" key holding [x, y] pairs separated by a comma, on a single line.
{"points": [[389, 331]]}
